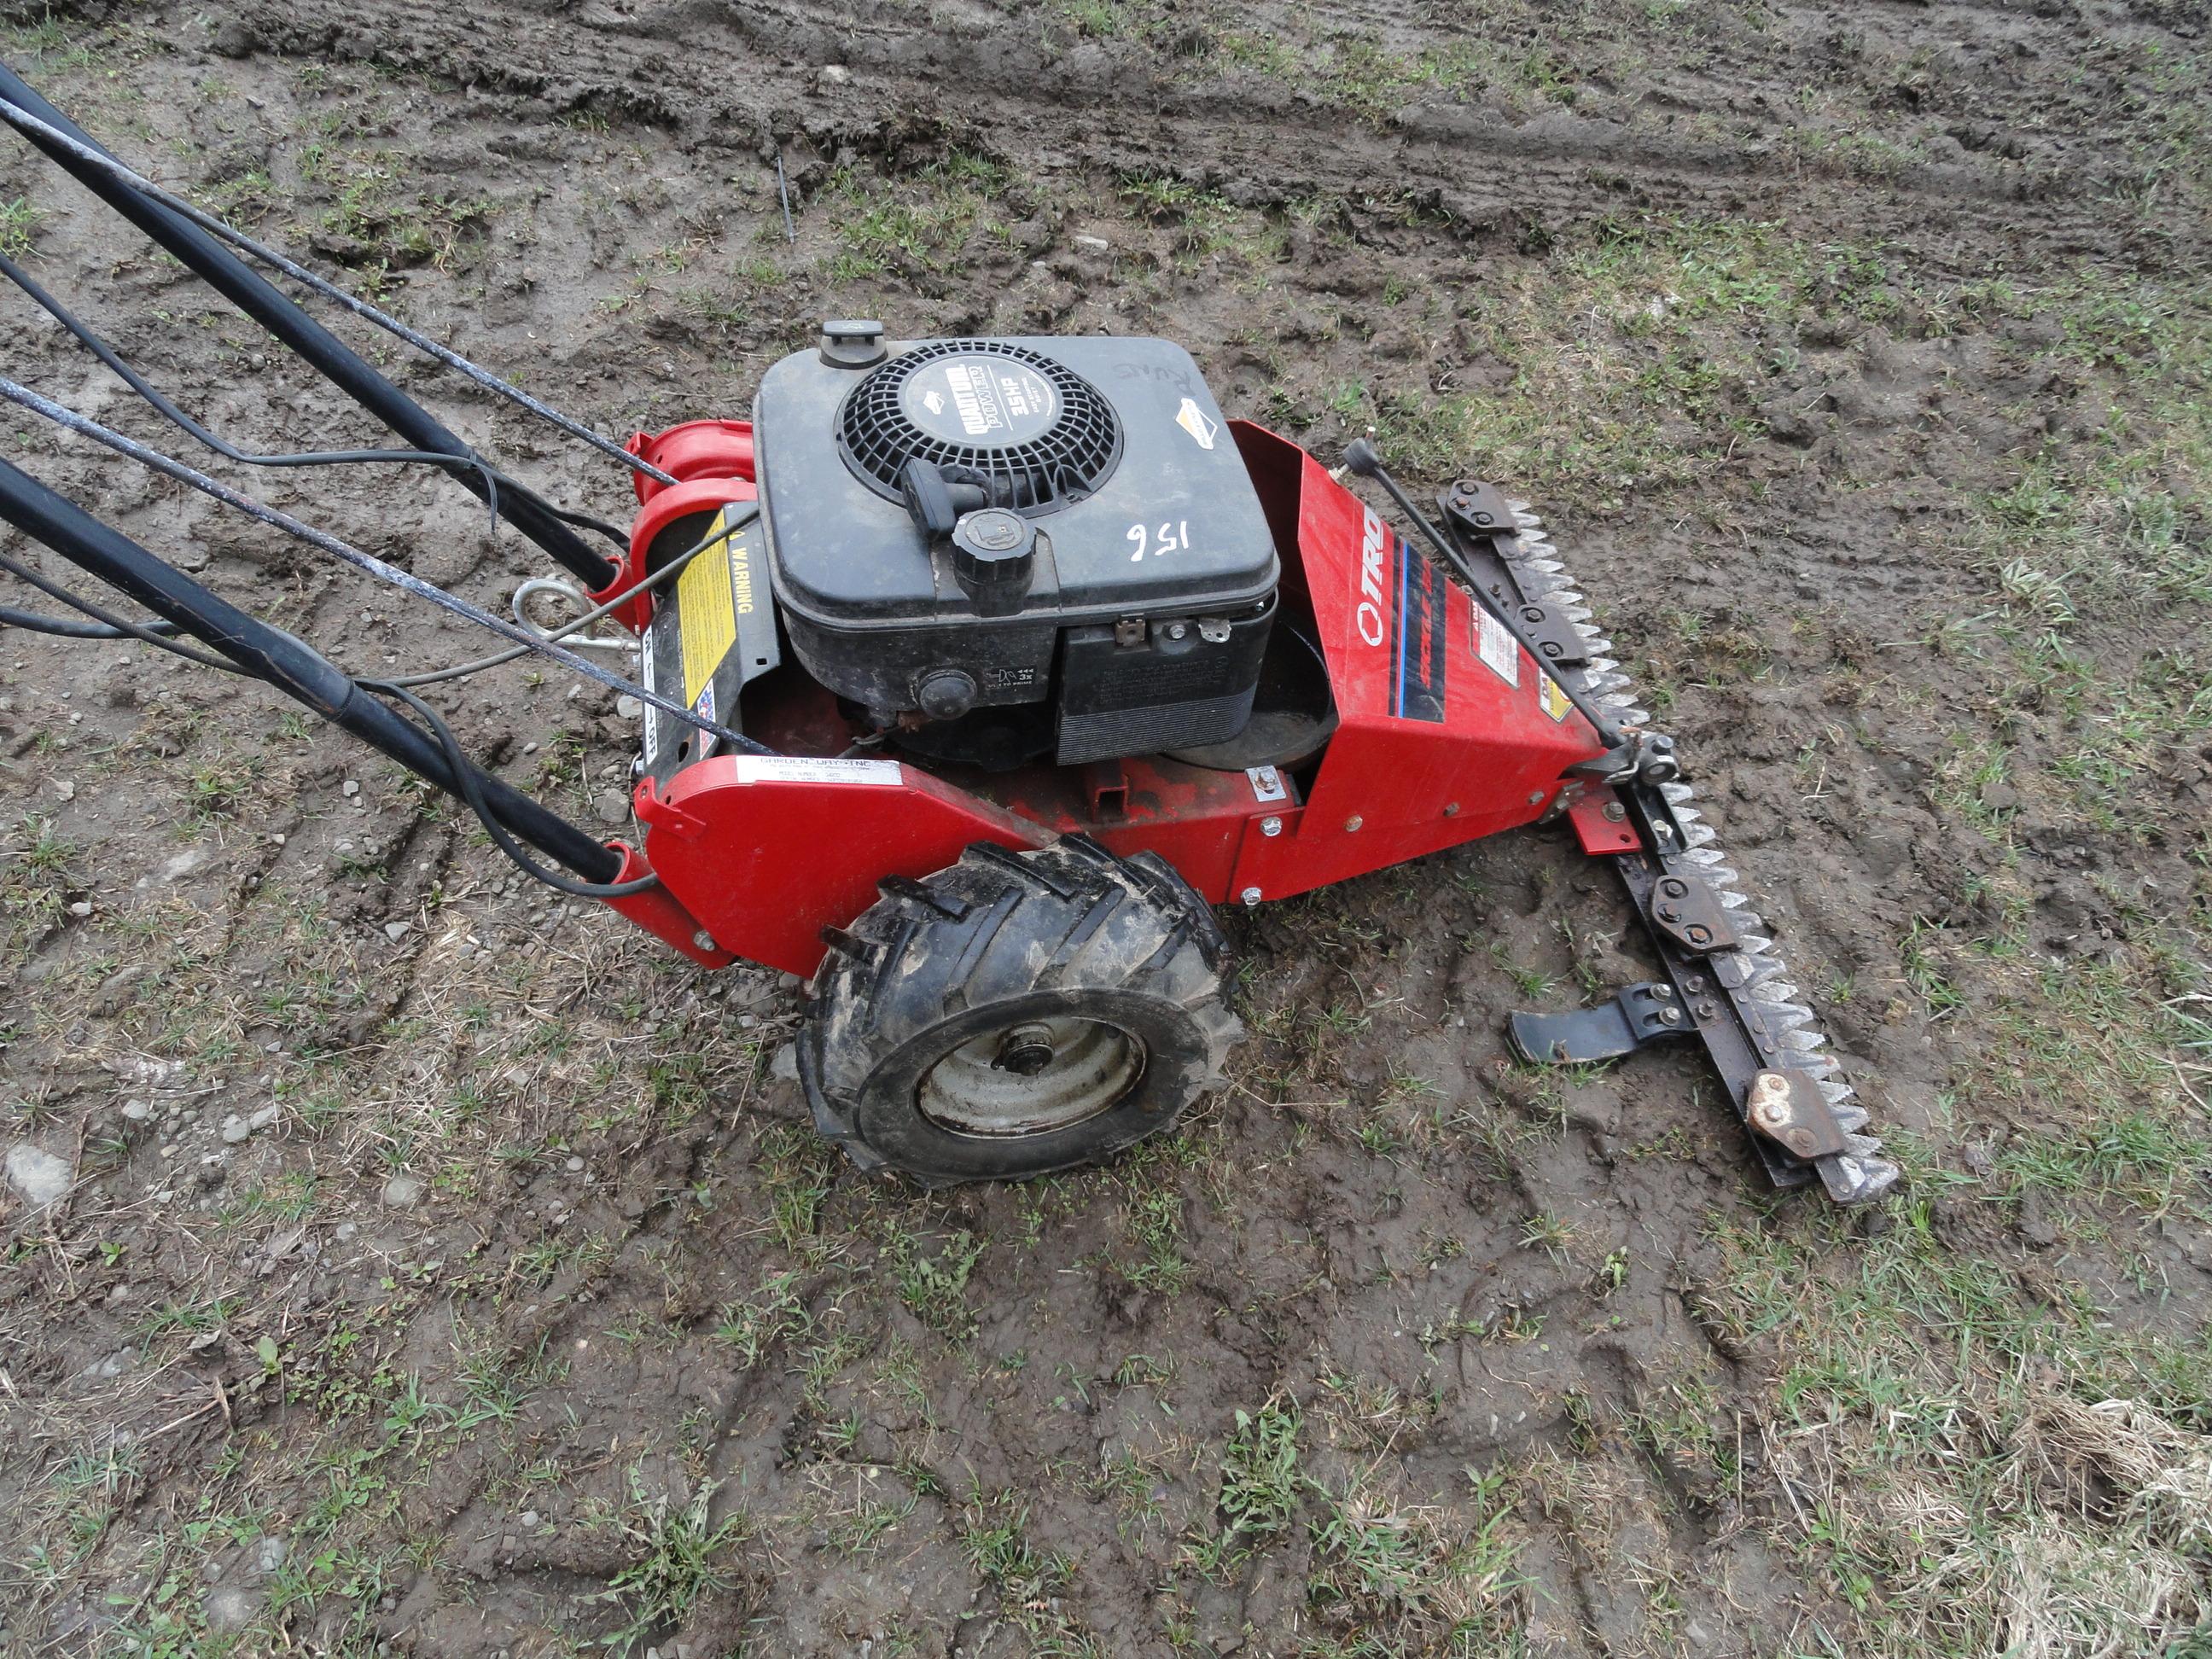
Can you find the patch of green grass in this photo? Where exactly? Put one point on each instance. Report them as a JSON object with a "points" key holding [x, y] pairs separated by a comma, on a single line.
{"points": [[752, 1328], [935, 1288], [677, 1555], [19, 219]]}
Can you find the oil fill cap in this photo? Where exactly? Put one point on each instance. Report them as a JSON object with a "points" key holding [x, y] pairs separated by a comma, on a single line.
{"points": [[852, 342]]}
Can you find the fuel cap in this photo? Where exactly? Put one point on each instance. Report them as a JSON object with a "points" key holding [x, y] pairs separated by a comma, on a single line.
{"points": [[994, 552]]}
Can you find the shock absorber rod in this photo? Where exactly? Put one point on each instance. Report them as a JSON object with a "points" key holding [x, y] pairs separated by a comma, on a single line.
{"points": [[229, 276], [297, 669]]}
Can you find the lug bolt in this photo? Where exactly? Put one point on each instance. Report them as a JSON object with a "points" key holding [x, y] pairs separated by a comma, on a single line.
{"points": [[703, 940], [1249, 897], [1271, 826]]}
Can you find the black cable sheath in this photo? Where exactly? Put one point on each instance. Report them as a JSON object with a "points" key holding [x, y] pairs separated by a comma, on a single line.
{"points": [[293, 328], [291, 666], [493, 479], [69, 627], [473, 794], [121, 629]]}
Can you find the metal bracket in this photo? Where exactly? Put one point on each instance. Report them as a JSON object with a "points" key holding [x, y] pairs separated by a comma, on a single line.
{"points": [[1688, 912], [1637, 1015], [1787, 1108]]}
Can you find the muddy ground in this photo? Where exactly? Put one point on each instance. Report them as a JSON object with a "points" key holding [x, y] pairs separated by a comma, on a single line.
{"points": [[446, 1270]]}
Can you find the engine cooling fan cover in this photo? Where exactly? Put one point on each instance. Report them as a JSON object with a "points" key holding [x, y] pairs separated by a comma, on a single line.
{"points": [[1038, 434]]}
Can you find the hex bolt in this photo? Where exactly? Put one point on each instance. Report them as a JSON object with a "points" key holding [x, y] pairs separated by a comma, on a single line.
{"points": [[1352, 823], [1666, 912], [1706, 1010], [1535, 796], [1770, 1101], [1271, 825], [1249, 897], [1451, 808], [703, 940], [1699, 935], [1670, 1015], [1662, 992], [1614, 812], [1177, 630], [1695, 983], [1674, 887]]}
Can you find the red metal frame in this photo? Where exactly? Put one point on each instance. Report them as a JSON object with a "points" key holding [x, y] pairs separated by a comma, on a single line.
{"points": [[1438, 741]]}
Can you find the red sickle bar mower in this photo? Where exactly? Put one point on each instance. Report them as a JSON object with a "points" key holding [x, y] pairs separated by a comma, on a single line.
{"points": [[974, 673]]}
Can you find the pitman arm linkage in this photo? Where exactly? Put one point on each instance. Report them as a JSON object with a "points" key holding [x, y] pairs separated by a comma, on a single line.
{"points": [[1725, 983]]}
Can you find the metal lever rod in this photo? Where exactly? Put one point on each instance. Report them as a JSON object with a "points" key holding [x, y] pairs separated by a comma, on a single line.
{"points": [[1360, 457]]}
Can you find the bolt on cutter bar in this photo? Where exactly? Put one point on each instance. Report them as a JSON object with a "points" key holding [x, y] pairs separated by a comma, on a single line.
{"points": [[988, 810]]}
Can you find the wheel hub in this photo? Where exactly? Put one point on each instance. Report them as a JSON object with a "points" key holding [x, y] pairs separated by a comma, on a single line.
{"points": [[1032, 1078]]}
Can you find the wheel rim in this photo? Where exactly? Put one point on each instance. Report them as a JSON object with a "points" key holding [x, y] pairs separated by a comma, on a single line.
{"points": [[1081, 1067]]}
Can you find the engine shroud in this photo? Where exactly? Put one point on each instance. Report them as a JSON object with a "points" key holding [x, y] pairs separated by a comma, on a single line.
{"points": [[1150, 589]]}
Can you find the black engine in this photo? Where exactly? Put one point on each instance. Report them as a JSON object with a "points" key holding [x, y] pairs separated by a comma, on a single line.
{"points": [[998, 549]]}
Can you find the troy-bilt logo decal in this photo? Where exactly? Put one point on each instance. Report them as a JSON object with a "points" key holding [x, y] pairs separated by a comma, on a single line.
{"points": [[1368, 618], [1195, 421], [1402, 594], [1417, 691]]}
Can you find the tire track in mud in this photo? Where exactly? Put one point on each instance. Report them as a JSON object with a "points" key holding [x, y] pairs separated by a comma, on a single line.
{"points": [[1268, 146]]}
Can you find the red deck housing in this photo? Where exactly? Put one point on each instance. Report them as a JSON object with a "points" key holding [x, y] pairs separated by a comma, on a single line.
{"points": [[1447, 732]]}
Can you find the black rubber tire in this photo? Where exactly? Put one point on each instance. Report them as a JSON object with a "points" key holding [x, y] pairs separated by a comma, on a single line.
{"points": [[997, 940]]}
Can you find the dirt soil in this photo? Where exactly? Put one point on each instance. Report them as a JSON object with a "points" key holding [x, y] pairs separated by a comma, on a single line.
{"points": [[443, 1269]]}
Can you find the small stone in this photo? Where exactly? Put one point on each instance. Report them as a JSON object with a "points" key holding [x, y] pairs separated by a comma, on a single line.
{"points": [[65, 789], [835, 74], [612, 806], [265, 1118], [230, 1608], [137, 1110], [396, 930], [350, 788], [786, 1063], [235, 1129], [531, 1518], [268, 1554], [575, 1166], [82, 908], [1095, 244], [234, 39], [38, 1175], [403, 1192], [628, 706]]}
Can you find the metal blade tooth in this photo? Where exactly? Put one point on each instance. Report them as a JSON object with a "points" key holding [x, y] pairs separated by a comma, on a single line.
{"points": [[1780, 1019], [1836, 1093], [1586, 631], [1754, 945], [1731, 900], [1708, 859], [1688, 815], [1780, 992], [1859, 1175], [1818, 1067], [1849, 1119], [1805, 1039], [1698, 835], [1547, 567], [1797, 1013], [1676, 793]]}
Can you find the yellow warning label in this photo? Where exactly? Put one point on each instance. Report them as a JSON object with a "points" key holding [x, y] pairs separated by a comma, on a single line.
{"points": [[709, 609], [1549, 694]]}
